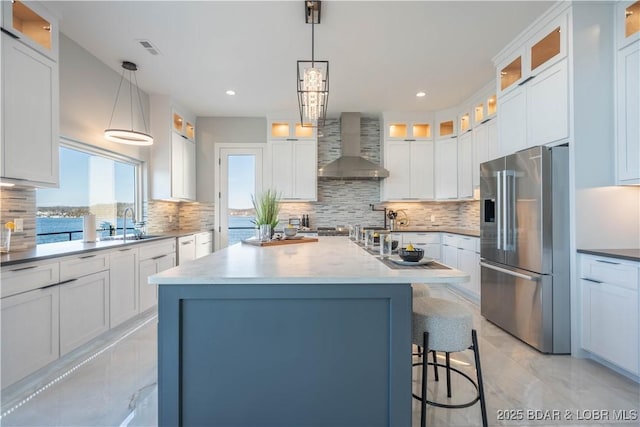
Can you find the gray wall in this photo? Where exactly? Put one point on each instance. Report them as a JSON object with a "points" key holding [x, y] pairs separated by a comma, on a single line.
{"points": [[212, 130], [87, 93]]}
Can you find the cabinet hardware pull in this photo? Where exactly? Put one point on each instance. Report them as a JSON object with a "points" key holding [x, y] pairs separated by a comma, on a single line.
{"points": [[62, 283], [87, 256], [409, 140], [187, 243], [24, 268], [184, 136], [124, 250], [526, 80], [9, 33], [159, 256], [485, 121], [292, 139], [608, 262], [591, 280]]}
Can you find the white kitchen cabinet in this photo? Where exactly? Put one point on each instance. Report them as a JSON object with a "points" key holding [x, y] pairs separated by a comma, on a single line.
{"points": [[204, 243], [485, 146], [446, 124], [627, 22], [84, 310], [407, 126], [411, 174], [290, 129], [173, 153], [28, 276], [512, 127], [548, 106], [446, 169], [33, 25], [123, 285], [429, 242], [30, 332], [628, 114], [186, 248], [294, 166], [610, 323], [30, 115], [533, 87], [462, 252], [81, 265], [465, 166], [154, 258]]}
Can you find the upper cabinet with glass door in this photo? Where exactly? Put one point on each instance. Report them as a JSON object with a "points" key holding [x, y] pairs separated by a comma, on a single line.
{"points": [[183, 124], [541, 51], [32, 24], [291, 130], [627, 22], [446, 124], [408, 126]]}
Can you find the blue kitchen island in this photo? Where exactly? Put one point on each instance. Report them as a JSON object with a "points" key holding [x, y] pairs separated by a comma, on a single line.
{"points": [[310, 334]]}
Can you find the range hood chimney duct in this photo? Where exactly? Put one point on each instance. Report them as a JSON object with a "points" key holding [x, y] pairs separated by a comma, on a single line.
{"points": [[351, 165]]}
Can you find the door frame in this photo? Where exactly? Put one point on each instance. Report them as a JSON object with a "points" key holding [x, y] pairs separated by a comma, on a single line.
{"points": [[262, 173]]}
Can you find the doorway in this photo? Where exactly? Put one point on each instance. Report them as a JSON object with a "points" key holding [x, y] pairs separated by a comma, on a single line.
{"points": [[240, 176]]}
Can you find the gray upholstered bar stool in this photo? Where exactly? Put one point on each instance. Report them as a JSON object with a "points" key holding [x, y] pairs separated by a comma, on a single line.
{"points": [[446, 326], [421, 290]]}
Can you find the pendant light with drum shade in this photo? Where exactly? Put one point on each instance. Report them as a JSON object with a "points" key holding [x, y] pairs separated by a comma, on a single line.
{"points": [[313, 77], [129, 136]]}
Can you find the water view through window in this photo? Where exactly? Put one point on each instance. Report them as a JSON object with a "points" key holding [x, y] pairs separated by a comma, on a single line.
{"points": [[241, 184], [89, 184]]}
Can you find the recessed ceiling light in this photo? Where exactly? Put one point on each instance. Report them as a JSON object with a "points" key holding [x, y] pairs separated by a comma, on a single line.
{"points": [[230, 92], [421, 94]]}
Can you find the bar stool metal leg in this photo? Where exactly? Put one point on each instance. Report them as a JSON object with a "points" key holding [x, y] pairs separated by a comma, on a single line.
{"points": [[448, 362], [425, 366], [435, 365], [476, 354]]}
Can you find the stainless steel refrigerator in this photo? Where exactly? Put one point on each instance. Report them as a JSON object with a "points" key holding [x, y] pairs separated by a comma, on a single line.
{"points": [[524, 234]]}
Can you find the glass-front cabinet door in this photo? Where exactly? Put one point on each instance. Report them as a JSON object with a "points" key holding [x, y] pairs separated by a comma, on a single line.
{"points": [[31, 24], [511, 73], [627, 22]]}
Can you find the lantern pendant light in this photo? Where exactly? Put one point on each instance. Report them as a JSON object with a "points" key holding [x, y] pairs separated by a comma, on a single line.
{"points": [[313, 77]]}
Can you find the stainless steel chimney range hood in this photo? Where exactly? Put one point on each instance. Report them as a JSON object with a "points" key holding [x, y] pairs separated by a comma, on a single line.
{"points": [[351, 165]]}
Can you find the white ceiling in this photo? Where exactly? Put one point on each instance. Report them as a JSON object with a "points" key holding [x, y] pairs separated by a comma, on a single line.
{"points": [[380, 52]]}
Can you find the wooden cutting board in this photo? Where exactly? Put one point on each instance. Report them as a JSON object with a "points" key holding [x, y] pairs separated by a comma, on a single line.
{"points": [[256, 242]]}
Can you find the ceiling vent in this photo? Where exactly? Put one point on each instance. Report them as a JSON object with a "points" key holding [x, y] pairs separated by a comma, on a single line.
{"points": [[149, 47]]}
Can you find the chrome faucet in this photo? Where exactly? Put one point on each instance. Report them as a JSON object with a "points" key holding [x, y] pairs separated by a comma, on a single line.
{"points": [[124, 222]]}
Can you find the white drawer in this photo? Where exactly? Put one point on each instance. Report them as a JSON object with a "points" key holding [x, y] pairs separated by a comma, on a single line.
{"points": [[610, 270], [28, 276], [467, 242], [152, 250], [187, 240], [81, 265], [204, 237], [416, 238], [450, 239]]}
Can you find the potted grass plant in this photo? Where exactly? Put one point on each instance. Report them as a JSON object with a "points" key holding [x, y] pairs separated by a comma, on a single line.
{"points": [[267, 208]]}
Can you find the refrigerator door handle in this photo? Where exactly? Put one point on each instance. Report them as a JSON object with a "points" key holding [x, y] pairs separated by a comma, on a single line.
{"points": [[506, 226], [510, 202], [499, 210], [511, 272]]}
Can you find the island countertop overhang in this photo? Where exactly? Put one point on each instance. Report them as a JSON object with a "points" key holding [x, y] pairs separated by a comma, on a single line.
{"points": [[332, 260]]}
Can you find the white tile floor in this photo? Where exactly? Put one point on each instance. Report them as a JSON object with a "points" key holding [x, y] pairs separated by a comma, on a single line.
{"points": [[117, 387]]}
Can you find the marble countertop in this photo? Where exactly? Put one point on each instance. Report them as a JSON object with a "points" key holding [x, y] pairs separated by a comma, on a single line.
{"points": [[335, 260], [54, 250], [626, 254], [461, 231]]}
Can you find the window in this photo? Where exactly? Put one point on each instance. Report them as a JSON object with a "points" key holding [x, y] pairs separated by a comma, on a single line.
{"points": [[92, 181]]}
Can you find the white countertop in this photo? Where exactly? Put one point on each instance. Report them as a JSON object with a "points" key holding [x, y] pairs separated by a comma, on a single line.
{"points": [[331, 260]]}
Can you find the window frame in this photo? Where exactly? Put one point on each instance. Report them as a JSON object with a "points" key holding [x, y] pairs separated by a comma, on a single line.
{"points": [[139, 167]]}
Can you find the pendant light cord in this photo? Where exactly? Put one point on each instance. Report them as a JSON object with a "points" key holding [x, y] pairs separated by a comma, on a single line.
{"points": [[115, 104]]}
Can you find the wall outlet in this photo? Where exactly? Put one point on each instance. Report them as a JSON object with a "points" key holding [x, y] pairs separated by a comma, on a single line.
{"points": [[433, 218], [170, 219], [19, 223]]}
